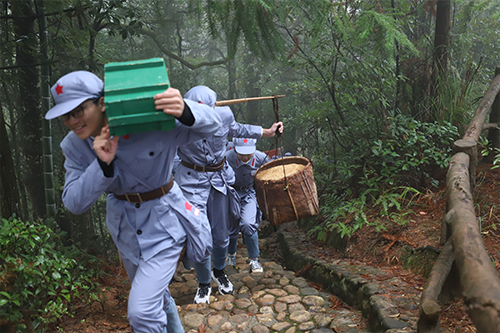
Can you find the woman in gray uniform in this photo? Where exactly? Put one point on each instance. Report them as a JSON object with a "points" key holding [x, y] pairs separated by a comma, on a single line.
{"points": [[245, 160]]}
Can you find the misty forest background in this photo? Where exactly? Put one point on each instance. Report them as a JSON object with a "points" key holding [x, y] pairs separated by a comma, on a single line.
{"points": [[376, 93]]}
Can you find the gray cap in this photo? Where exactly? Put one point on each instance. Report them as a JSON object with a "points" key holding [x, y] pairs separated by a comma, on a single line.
{"points": [[244, 146], [73, 89]]}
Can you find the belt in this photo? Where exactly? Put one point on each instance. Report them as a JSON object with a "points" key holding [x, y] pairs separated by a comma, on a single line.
{"points": [[243, 187], [151, 195], [205, 168]]}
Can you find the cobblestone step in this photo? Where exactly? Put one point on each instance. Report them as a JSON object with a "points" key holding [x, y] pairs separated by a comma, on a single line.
{"points": [[390, 304], [273, 301]]}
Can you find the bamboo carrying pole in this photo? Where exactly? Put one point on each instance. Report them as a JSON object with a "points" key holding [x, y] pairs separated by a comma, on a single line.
{"points": [[244, 100]]}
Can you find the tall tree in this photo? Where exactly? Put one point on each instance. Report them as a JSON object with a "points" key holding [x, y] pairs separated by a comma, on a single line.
{"points": [[442, 36], [50, 203], [9, 192], [29, 102], [440, 51]]}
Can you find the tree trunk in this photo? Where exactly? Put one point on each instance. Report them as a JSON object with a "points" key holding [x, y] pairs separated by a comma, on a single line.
{"points": [[9, 193], [252, 109], [17, 157], [398, 69], [50, 203], [442, 36], [29, 100], [231, 74], [440, 52]]}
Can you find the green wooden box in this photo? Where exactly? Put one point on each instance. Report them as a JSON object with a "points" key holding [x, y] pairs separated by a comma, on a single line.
{"points": [[129, 88]]}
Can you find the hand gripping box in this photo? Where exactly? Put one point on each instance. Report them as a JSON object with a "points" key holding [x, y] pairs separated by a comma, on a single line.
{"points": [[129, 88]]}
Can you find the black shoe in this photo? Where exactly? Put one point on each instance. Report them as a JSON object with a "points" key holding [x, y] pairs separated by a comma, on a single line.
{"points": [[225, 286], [203, 294]]}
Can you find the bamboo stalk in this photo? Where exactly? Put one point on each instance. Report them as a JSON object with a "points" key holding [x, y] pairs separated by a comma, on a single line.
{"points": [[244, 100]]}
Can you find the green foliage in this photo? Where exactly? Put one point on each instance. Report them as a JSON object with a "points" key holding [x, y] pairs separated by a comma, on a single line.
{"points": [[341, 216], [394, 207], [345, 217], [408, 151], [383, 177], [37, 282], [454, 102], [385, 31], [232, 20]]}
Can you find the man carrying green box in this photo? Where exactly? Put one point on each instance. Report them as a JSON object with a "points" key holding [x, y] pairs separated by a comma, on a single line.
{"points": [[148, 217]]}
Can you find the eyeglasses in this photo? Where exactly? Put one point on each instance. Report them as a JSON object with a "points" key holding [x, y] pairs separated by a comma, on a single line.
{"points": [[77, 112]]}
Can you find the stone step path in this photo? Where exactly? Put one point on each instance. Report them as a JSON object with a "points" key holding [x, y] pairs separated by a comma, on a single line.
{"points": [[273, 301]]}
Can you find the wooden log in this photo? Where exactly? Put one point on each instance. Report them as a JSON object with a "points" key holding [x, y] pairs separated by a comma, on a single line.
{"points": [[429, 309], [244, 100], [490, 126], [494, 133], [476, 124], [478, 277], [469, 146], [445, 231]]}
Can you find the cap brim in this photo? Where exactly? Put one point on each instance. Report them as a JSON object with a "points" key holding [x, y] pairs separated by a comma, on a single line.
{"points": [[244, 150], [64, 107]]}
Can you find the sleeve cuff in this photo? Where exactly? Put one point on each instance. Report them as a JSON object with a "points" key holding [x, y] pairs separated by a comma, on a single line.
{"points": [[187, 117], [108, 170]]}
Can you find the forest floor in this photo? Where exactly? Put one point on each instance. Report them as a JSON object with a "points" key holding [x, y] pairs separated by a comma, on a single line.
{"points": [[383, 249]]}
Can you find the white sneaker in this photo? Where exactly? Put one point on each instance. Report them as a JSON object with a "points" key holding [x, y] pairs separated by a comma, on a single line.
{"points": [[255, 266], [231, 259], [225, 286], [203, 294]]}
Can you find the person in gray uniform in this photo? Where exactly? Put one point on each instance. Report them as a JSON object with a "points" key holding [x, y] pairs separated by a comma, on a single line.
{"points": [[245, 160], [148, 217], [205, 178]]}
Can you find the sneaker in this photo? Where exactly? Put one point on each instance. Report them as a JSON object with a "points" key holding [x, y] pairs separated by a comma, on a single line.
{"points": [[203, 294], [231, 259], [255, 266], [225, 286]]}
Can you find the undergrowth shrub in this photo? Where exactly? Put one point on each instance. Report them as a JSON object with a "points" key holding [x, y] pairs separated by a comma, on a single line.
{"points": [[38, 281], [408, 153], [385, 180]]}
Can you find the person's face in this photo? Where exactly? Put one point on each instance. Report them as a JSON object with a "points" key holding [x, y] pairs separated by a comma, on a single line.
{"points": [[244, 158], [87, 119]]}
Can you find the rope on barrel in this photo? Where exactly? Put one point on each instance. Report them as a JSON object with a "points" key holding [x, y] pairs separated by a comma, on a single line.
{"points": [[293, 204], [276, 109], [278, 136]]}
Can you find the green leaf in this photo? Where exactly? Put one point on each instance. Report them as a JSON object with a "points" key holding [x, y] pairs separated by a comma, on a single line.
{"points": [[5, 294]]}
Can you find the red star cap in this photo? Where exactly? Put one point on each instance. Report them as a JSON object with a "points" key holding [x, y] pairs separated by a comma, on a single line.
{"points": [[244, 146], [72, 90]]}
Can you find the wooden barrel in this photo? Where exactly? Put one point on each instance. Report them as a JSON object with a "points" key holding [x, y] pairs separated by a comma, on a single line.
{"points": [[286, 190]]}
